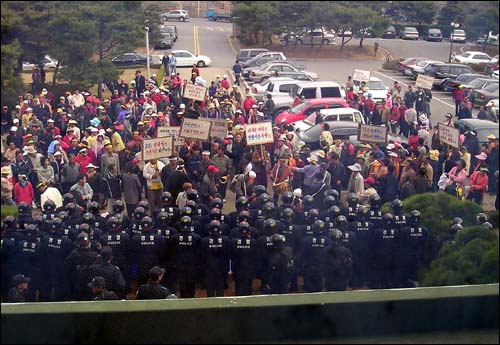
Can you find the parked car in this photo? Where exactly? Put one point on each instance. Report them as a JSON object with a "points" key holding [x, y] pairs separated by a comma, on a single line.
{"points": [[268, 70], [339, 130], [171, 30], [347, 33], [129, 59], [333, 114], [414, 70], [494, 74], [402, 65], [298, 75], [317, 37], [483, 128], [390, 32], [377, 89], [440, 72], [449, 84], [479, 83], [274, 86], [458, 36], [303, 110], [472, 57], [488, 39], [46, 61], [434, 35], [166, 42], [494, 103], [483, 96], [409, 33], [261, 58], [247, 54], [366, 33], [187, 59], [266, 64], [180, 15]]}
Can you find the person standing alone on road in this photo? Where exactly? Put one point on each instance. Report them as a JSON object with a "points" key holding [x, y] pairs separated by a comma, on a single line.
{"points": [[237, 72]]}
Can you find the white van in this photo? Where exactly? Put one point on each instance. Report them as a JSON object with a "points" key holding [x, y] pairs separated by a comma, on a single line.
{"points": [[333, 114]]}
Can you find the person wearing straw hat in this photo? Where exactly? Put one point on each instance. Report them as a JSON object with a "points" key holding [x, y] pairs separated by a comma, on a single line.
{"points": [[356, 182], [7, 187]]}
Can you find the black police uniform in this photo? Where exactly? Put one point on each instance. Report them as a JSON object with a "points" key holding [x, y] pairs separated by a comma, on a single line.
{"points": [[337, 267], [119, 241], [350, 241], [167, 254], [384, 242], [412, 242], [311, 261], [187, 248], [362, 256], [152, 290], [400, 221], [8, 261], [293, 240], [78, 262], [375, 217], [145, 253], [112, 275], [106, 296], [215, 252], [278, 271], [243, 261], [29, 262], [264, 250]]}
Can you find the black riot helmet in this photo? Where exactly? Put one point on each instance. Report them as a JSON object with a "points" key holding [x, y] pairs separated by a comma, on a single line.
{"points": [[331, 192], [119, 206], [139, 213], [214, 228], [241, 203], [37, 219], [56, 225], [279, 241], [308, 202], [166, 197], [216, 202], [259, 190], [482, 218], [147, 223], [457, 220], [63, 215], [67, 198], [145, 205], [318, 227], [244, 229], [268, 209], [334, 211], [93, 207], [336, 235], [263, 198], [487, 226], [187, 211], [352, 200], [341, 222], [329, 201], [49, 206], [192, 204], [243, 216], [120, 218], [287, 215], [215, 214], [362, 212], [30, 229], [9, 223], [312, 215], [415, 217], [287, 198], [85, 228], [388, 220], [185, 224], [375, 201], [397, 206], [192, 195], [70, 208], [163, 219], [23, 207], [88, 217], [113, 223], [455, 228], [270, 226]]}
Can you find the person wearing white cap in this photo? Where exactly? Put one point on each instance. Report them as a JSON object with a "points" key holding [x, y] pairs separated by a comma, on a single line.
{"points": [[244, 184], [356, 182]]}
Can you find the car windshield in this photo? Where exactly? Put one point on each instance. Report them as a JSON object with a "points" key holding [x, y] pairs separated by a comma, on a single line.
{"points": [[492, 88], [299, 108], [459, 32], [466, 77], [412, 30], [476, 83], [311, 119], [434, 31], [423, 63], [482, 133], [375, 85]]}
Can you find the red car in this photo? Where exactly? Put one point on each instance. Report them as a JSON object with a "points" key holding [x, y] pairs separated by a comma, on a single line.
{"points": [[303, 110], [402, 65]]}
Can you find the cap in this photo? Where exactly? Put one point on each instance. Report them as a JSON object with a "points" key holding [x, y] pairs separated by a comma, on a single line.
{"points": [[369, 180], [20, 279], [212, 169], [182, 106], [57, 153], [13, 129], [15, 120], [491, 136], [97, 282], [206, 153], [90, 165], [155, 272], [393, 154], [485, 169], [5, 170], [83, 150], [29, 149], [72, 122], [448, 115], [355, 167], [252, 174], [230, 136], [482, 156]]}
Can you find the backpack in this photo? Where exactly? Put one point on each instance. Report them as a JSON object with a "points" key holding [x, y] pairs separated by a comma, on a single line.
{"points": [[232, 185]]}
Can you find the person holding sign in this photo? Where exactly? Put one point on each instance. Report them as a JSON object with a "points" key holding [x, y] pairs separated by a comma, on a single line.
{"points": [[152, 175], [281, 176]]}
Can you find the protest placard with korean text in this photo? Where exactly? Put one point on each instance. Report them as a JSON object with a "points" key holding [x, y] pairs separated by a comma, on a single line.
{"points": [[259, 133], [424, 82], [157, 148], [449, 135], [219, 127], [171, 131], [195, 129], [195, 92], [372, 134], [361, 75]]}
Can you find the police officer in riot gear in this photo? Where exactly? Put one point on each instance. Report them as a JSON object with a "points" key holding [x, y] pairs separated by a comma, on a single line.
{"points": [[78, 262], [215, 253], [264, 248], [29, 260], [241, 204], [312, 246], [257, 213], [187, 244], [24, 214], [244, 258], [135, 227], [268, 211], [375, 213], [308, 204], [165, 227], [49, 210], [362, 259], [119, 241], [68, 230], [280, 266], [384, 243], [336, 263], [308, 228], [328, 202], [258, 191], [400, 220], [350, 210], [293, 240], [111, 273]]}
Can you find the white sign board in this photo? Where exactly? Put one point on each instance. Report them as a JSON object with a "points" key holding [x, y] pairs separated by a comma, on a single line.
{"points": [[361, 75], [195, 129], [424, 82], [219, 127], [157, 148], [372, 134], [449, 135], [195, 92], [171, 131], [259, 133]]}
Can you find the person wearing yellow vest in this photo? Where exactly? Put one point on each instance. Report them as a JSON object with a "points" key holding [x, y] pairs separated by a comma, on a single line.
{"points": [[152, 175]]}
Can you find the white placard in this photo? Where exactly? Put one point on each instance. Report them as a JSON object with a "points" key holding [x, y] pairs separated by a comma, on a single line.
{"points": [[195, 92], [424, 82], [361, 75], [259, 133], [449, 135], [195, 129], [156, 148], [171, 131]]}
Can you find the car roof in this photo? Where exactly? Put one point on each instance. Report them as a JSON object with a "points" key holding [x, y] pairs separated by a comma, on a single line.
{"points": [[454, 64], [336, 111], [341, 124], [277, 79], [474, 52], [180, 51], [251, 49], [476, 123], [434, 29], [314, 101], [318, 84], [374, 79]]}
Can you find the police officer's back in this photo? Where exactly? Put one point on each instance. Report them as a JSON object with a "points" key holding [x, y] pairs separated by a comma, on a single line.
{"points": [[336, 263], [384, 244], [362, 256], [99, 292], [111, 273], [375, 213], [153, 288], [187, 250], [312, 247], [280, 266], [400, 219], [29, 260], [244, 259]]}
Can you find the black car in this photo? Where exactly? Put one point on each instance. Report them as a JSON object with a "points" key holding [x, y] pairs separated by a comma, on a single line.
{"points": [[483, 128], [165, 43], [129, 59], [449, 84], [339, 130], [390, 32], [483, 96], [170, 29], [440, 72], [434, 35]]}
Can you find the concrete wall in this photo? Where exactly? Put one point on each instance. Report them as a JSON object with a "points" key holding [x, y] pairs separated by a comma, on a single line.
{"points": [[313, 317]]}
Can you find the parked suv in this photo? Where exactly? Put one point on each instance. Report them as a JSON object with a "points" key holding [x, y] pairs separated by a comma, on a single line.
{"points": [[409, 33], [447, 70], [318, 37], [434, 35], [180, 15], [458, 36], [247, 54]]}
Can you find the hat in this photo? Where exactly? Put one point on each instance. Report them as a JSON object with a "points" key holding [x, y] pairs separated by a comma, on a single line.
{"points": [[212, 169], [90, 165], [393, 154], [50, 120], [40, 184], [211, 106], [206, 153], [252, 174], [97, 282], [182, 106], [390, 147], [360, 155], [155, 272], [29, 149], [173, 158], [482, 156], [355, 167], [57, 153], [15, 120], [180, 163], [83, 150], [434, 155], [312, 159], [13, 129], [72, 122], [20, 279], [321, 154], [5, 170], [448, 115], [83, 237], [369, 180], [485, 169], [230, 136], [297, 192], [491, 136]]}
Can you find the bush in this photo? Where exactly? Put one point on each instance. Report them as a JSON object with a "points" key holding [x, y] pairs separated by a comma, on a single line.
{"points": [[390, 65], [471, 259], [8, 211]]}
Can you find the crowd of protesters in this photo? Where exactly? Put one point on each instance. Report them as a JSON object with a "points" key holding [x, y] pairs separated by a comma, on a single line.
{"points": [[78, 159]]}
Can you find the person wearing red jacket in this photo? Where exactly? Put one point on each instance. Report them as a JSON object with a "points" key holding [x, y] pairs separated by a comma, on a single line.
{"points": [[156, 97], [478, 184], [248, 103], [369, 106], [23, 191], [458, 97], [83, 159]]}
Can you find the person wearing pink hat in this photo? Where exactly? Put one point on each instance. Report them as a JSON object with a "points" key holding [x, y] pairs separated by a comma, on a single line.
{"points": [[208, 187], [480, 161], [364, 198]]}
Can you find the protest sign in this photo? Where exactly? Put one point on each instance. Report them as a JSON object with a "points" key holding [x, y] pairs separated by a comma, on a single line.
{"points": [[195, 129], [157, 148], [171, 131], [195, 92], [259, 133], [372, 134], [424, 82], [219, 127], [361, 75], [449, 135]]}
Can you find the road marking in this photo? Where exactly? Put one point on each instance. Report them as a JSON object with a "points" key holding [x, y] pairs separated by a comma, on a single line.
{"points": [[437, 99], [231, 45], [196, 41]]}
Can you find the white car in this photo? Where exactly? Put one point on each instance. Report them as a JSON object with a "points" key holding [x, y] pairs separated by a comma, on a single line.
{"points": [[494, 75], [332, 114], [259, 89], [377, 89], [318, 37], [458, 36], [180, 15], [413, 71], [473, 57], [268, 70], [47, 62], [187, 59]]}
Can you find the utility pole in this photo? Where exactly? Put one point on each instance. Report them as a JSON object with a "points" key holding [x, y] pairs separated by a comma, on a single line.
{"points": [[147, 48]]}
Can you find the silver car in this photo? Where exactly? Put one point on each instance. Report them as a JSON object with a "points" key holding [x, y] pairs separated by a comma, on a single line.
{"points": [[180, 15]]}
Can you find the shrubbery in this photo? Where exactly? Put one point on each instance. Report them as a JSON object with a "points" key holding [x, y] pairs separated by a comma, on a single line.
{"points": [[8, 211]]}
